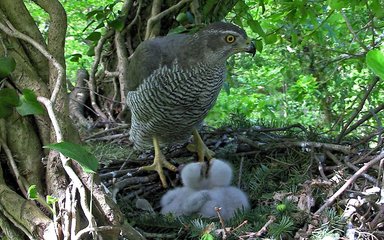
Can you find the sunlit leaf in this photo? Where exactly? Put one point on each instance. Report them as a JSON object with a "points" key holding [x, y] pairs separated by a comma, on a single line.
{"points": [[7, 66], [377, 8], [181, 17], [29, 104], [87, 161], [337, 4], [207, 236], [51, 200], [375, 61], [32, 192], [8, 100]]}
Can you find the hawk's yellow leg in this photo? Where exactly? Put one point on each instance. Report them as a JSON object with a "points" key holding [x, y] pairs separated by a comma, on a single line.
{"points": [[200, 147], [158, 163]]}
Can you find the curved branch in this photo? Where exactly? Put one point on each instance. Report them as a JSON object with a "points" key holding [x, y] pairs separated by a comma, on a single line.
{"points": [[346, 128], [11, 31], [351, 180], [155, 19], [66, 162], [92, 80], [21, 19], [56, 41], [369, 115]]}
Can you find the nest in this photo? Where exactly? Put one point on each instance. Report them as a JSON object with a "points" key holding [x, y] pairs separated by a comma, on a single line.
{"points": [[300, 185]]}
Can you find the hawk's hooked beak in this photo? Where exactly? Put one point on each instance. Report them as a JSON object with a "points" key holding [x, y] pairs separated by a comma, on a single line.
{"points": [[251, 49]]}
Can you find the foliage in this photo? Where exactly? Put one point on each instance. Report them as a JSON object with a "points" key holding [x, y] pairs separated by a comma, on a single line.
{"points": [[25, 104], [311, 69], [79, 44], [331, 227], [87, 161]]}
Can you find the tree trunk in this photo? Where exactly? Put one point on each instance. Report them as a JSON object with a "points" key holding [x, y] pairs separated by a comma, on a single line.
{"points": [[40, 66]]}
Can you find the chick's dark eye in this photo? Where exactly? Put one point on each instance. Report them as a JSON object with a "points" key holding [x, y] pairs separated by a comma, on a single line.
{"points": [[230, 38]]}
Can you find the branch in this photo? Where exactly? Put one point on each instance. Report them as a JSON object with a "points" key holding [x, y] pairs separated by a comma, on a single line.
{"points": [[357, 111], [92, 80], [23, 21], [354, 177], [155, 19], [353, 33], [11, 31], [19, 179], [56, 38], [369, 115], [66, 162]]}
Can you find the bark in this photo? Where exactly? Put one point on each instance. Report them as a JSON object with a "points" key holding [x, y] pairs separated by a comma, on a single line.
{"points": [[77, 100], [18, 14], [29, 159], [22, 212], [40, 66]]}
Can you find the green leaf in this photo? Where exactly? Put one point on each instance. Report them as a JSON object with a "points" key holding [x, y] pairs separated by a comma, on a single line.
{"points": [[87, 161], [32, 192], [7, 66], [51, 200], [377, 8], [117, 24], [337, 4], [256, 27], [29, 104], [8, 100], [91, 51], [207, 236], [281, 207], [94, 12], [74, 57], [95, 36], [181, 17], [375, 61], [259, 45], [100, 16], [208, 7], [270, 39], [177, 30]]}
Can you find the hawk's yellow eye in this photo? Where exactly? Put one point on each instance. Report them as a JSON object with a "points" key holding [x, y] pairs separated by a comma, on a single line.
{"points": [[230, 38]]}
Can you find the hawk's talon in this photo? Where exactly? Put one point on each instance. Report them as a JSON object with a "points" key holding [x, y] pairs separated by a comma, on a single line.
{"points": [[202, 150], [159, 162]]}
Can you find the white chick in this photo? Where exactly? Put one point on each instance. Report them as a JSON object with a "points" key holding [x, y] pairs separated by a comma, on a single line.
{"points": [[219, 174], [229, 199], [201, 194], [221, 194], [188, 199]]}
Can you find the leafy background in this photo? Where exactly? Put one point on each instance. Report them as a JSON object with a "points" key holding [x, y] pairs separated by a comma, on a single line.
{"points": [[310, 67]]}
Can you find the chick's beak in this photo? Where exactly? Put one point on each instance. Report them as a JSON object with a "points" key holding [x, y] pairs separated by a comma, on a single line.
{"points": [[251, 49]]}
